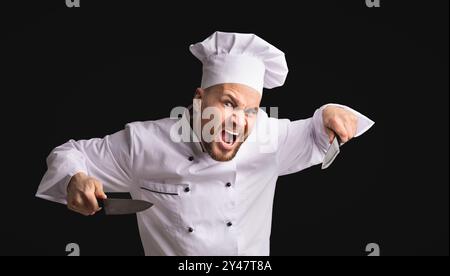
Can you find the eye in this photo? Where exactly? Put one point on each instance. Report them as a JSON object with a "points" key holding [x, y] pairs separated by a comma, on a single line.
{"points": [[251, 112], [228, 104]]}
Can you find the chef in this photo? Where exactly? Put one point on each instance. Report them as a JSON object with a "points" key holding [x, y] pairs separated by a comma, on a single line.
{"points": [[213, 194]]}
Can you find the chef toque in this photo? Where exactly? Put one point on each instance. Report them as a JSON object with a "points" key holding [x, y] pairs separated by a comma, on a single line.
{"points": [[240, 58]]}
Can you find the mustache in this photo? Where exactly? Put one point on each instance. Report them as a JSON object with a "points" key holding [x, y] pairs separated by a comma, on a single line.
{"points": [[210, 127], [238, 131], [213, 134]]}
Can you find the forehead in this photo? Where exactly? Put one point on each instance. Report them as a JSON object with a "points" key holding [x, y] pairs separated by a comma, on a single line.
{"points": [[240, 91]]}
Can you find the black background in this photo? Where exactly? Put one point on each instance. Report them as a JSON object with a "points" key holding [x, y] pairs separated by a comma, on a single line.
{"points": [[86, 72]]}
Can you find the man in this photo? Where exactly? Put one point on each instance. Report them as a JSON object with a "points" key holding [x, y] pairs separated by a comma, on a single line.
{"points": [[212, 193]]}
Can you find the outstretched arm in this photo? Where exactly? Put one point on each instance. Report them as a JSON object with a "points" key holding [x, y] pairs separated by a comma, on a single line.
{"points": [[78, 171], [304, 143]]}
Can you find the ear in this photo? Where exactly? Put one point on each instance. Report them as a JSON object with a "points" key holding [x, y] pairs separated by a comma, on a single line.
{"points": [[199, 93]]}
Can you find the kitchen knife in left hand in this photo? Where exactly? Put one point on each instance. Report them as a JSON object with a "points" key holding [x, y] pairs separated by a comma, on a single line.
{"points": [[118, 206]]}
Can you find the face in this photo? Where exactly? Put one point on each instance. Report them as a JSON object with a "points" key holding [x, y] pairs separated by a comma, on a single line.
{"points": [[235, 107]]}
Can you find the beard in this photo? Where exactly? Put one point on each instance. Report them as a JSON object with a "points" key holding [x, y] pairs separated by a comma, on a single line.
{"points": [[220, 155], [215, 151]]}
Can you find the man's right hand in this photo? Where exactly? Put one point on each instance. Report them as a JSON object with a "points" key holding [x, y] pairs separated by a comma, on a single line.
{"points": [[82, 194]]}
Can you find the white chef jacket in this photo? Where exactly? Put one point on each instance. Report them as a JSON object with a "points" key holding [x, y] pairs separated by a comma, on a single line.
{"points": [[201, 206]]}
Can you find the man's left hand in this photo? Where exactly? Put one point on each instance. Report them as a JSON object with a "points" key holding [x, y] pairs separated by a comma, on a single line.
{"points": [[338, 120]]}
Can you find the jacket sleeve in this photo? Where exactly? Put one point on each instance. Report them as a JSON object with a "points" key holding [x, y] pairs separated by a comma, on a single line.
{"points": [[108, 160], [304, 143]]}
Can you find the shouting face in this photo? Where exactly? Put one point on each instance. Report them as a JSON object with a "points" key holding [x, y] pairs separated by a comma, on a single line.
{"points": [[228, 116]]}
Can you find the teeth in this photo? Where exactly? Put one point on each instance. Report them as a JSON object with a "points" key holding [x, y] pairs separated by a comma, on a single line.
{"points": [[232, 133], [228, 137]]}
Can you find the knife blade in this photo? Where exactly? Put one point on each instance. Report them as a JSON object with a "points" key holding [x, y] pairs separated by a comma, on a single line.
{"points": [[331, 154], [119, 206]]}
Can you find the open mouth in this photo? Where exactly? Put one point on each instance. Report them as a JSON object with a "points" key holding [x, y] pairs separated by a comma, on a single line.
{"points": [[229, 138]]}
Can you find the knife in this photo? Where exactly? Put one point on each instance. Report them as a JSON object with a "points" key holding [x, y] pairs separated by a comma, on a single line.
{"points": [[119, 206], [332, 152]]}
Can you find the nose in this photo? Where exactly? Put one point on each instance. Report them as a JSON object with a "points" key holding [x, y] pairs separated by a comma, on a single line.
{"points": [[238, 120]]}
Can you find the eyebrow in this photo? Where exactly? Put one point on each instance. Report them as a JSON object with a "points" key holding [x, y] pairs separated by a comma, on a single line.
{"points": [[255, 109], [231, 96]]}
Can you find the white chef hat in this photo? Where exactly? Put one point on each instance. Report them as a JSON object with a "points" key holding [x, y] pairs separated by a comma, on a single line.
{"points": [[240, 58]]}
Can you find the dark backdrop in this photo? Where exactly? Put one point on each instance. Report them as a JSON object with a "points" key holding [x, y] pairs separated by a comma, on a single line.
{"points": [[83, 73]]}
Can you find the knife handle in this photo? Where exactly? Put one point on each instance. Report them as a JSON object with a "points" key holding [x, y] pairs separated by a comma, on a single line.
{"points": [[338, 139], [101, 204]]}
